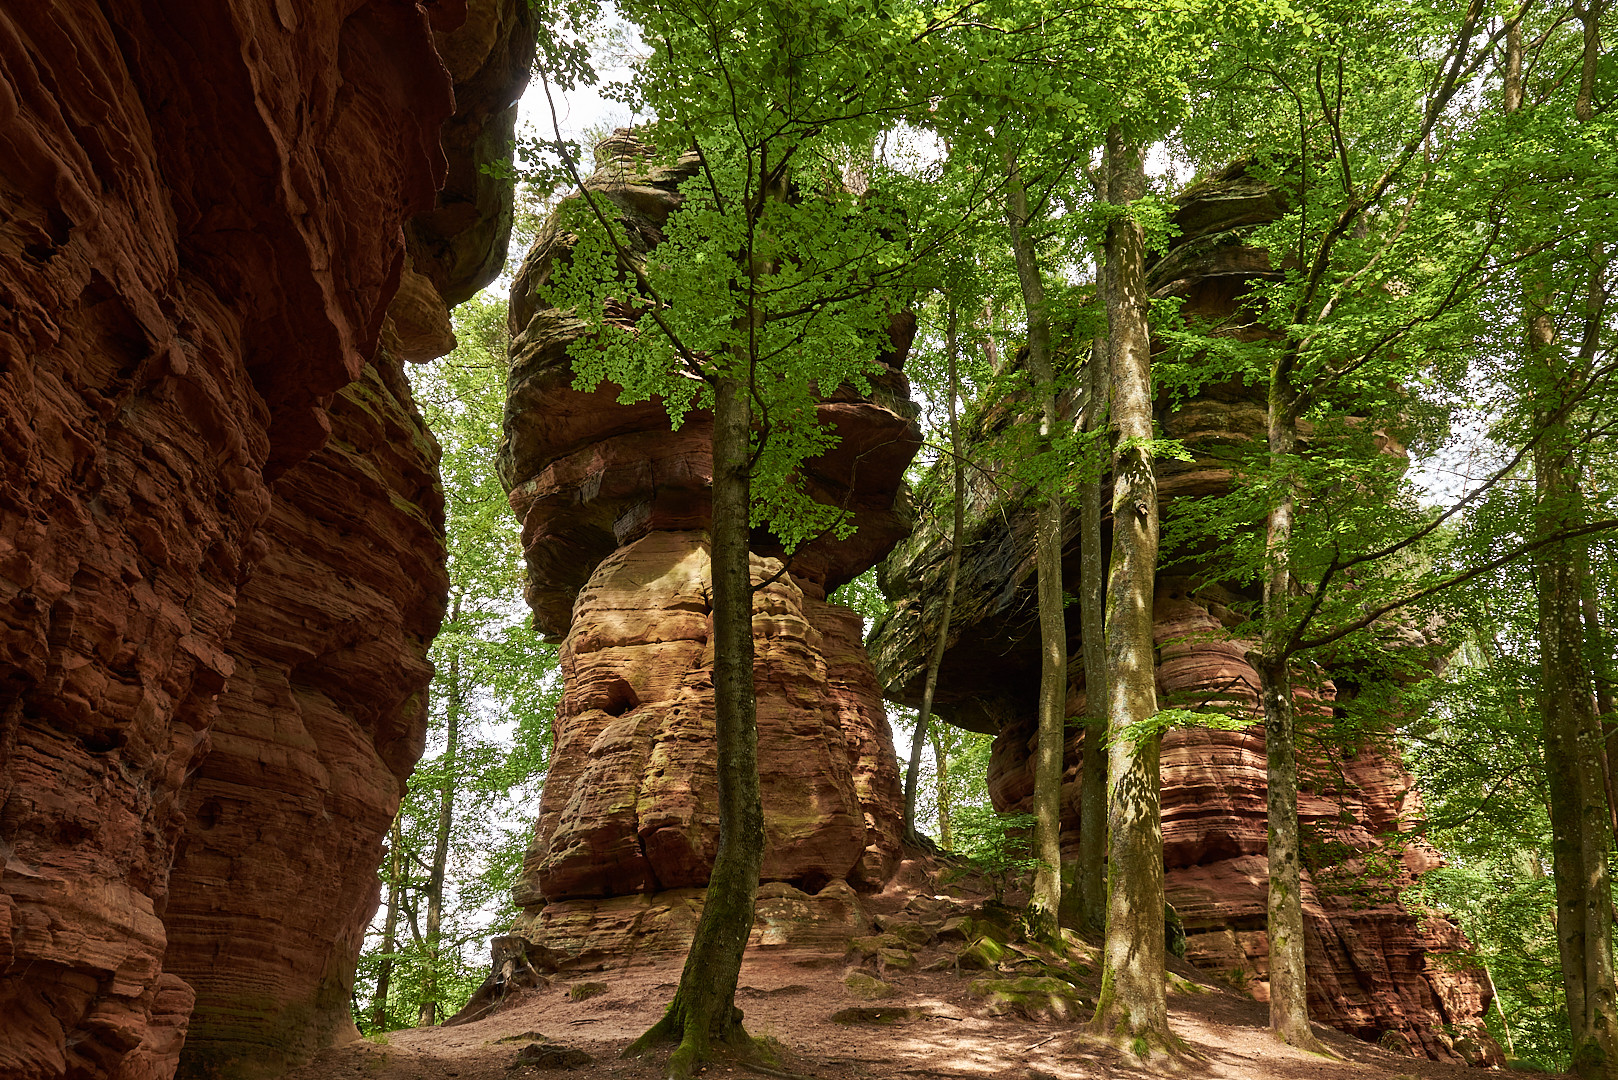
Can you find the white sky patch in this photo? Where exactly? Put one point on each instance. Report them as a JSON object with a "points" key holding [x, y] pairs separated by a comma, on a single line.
{"points": [[585, 113]]}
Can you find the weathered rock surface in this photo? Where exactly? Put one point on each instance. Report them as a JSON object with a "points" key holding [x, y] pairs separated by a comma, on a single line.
{"points": [[201, 249], [1374, 965], [615, 508], [317, 729]]}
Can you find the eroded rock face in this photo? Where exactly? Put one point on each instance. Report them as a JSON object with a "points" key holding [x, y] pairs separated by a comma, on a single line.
{"points": [[615, 509], [317, 729], [631, 804], [1374, 965], [201, 244]]}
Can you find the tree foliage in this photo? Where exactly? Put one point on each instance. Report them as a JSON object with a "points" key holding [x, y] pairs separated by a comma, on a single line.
{"points": [[1438, 291], [492, 669]]}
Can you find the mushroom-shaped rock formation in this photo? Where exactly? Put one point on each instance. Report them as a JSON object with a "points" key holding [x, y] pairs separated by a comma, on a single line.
{"points": [[614, 508], [221, 534], [1375, 965]]}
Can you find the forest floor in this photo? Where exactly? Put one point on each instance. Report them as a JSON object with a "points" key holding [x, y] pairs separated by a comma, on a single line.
{"points": [[932, 1026], [936, 1028]]}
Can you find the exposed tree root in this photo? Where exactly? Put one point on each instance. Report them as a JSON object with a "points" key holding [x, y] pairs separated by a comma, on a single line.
{"points": [[1305, 1041], [701, 1041]]}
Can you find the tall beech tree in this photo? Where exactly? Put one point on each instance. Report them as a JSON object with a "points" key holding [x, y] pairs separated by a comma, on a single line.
{"points": [[1296, 382], [1045, 899], [1090, 872], [935, 658], [1365, 208], [1559, 370], [1132, 1002], [1034, 117], [771, 280]]}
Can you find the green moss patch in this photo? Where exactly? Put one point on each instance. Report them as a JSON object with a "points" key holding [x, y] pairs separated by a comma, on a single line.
{"points": [[867, 987], [1033, 997], [586, 990]]}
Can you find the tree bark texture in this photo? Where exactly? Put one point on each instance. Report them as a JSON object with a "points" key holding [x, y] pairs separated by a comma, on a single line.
{"points": [[1289, 1002], [1579, 810], [936, 660], [1044, 904], [704, 1007], [1090, 876], [1132, 1001], [1289, 987], [1580, 814], [1598, 657]]}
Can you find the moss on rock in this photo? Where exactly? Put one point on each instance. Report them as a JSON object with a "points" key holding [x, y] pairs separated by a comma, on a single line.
{"points": [[1033, 997]]}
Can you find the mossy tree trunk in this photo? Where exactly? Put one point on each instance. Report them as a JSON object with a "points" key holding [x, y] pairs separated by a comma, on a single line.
{"points": [[1132, 1004], [1289, 987], [704, 1011], [1580, 813], [1090, 875], [1044, 905], [1579, 810]]}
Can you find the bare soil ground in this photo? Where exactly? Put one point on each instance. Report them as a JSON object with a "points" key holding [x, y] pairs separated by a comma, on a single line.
{"points": [[792, 998]]}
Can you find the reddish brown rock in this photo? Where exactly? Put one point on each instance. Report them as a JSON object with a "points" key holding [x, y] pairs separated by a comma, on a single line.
{"points": [[631, 804], [317, 729], [614, 508], [1375, 965], [201, 239]]}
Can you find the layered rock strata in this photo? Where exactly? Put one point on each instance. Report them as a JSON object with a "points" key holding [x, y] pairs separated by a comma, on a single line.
{"points": [[614, 508], [220, 535], [1375, 966]]}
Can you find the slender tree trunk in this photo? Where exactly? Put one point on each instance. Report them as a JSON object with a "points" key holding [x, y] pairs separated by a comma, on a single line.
{"points": [[428, 1014], [990, 349], [1132, 1002], [1580, 815], [1599, 646], [704, 1007], [1289, 1001], [1590, 14], [1090, 876], [941, 790], [1505, 1024], [936, 660], [1289, 987], [1599, 661], [1579, 811], [390, 933], [1045, 903], [1595, 302]]}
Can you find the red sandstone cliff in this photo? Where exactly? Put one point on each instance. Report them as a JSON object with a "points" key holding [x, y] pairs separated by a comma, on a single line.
{"points": [[1374, 966], [614, 507], [218, 508]]}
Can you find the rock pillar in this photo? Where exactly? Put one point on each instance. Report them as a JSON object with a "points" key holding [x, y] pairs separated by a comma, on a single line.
{"points": [[615, 507]]}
